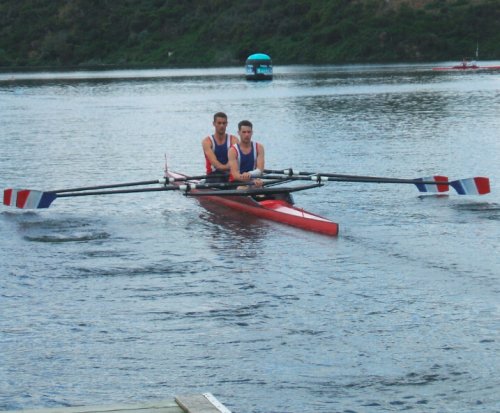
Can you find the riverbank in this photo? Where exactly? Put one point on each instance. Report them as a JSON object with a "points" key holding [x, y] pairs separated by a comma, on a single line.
{"points": [[224, 33]]}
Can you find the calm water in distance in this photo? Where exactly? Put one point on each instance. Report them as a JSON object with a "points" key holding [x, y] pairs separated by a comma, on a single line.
{"points": [[135, 298]]}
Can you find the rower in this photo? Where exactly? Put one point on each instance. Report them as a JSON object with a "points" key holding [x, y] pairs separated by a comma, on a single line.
{"points": [[464, 62], [215, 148], [246, 158]]}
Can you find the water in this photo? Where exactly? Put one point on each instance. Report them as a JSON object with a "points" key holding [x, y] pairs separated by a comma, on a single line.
{"points": [[133, 298]]}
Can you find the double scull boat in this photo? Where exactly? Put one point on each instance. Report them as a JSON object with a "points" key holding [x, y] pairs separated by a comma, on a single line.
{"points": [[468, 68], [275, 204]]}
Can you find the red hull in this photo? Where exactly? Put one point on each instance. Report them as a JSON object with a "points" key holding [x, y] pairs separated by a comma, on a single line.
{"points": [[468, 68], [274, 210]]}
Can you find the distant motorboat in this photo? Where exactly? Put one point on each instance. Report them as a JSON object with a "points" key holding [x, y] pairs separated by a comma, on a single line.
{"points": [[259, 67]]}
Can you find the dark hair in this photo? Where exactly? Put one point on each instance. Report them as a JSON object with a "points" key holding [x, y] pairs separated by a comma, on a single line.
{"points": [[220, 115], [245, 123]]}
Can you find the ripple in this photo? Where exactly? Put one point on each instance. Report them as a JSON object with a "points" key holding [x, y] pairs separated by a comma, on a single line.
{"points": [[74, 238], [160, 293], [54, 224]]}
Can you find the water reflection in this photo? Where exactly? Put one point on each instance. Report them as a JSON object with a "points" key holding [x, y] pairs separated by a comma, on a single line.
{"points": [[232, 226]]}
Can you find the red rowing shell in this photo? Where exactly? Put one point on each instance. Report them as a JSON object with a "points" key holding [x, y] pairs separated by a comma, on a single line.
{"points": [[275, 210], [468, 68]]}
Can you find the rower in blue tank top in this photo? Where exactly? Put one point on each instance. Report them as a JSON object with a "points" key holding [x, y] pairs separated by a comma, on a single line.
{"points": [[220, 151], [246, 159], [215, 148]]}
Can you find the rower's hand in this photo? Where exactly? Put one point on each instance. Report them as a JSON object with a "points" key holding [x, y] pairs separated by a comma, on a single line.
{"points": [[257, 183], [246, 177]]}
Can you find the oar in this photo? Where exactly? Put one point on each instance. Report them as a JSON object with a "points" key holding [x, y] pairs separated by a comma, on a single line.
{"points": [[256, 191], [156, 181], [290, 173], [35, 199], [469, 186], [437, 183]]}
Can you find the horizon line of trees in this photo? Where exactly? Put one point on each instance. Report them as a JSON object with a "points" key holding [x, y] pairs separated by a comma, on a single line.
{"points": [[76, 32]]}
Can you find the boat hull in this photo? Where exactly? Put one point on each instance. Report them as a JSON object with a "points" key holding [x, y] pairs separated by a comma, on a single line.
{"points": [[275, 210], [468, 68]]}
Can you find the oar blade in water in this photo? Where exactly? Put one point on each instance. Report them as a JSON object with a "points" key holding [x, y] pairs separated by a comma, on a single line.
{"points": [[430, 187], [10, 196], [472, 186], [28, 198]]}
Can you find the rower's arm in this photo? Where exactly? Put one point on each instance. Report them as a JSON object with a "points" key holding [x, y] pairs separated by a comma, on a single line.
{"points": [[233, 165], [209, 152], [260, 158]]}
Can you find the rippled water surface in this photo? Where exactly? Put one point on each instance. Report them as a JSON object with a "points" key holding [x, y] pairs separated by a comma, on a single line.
{"points": [[141, 297]]}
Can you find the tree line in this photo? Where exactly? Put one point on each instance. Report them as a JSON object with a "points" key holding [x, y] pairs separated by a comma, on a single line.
{"points": [[86, 32]]}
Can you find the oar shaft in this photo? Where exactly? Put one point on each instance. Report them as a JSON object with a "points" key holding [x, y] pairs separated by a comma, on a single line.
{"points": [[139, 183], [329, 177], [257, 191], [348, 178], [89, 188], [183, 187], [120, 191]]}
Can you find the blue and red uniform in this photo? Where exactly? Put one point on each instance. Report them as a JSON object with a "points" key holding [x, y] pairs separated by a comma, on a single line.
{"points": [[220, 152], [248, 162]]}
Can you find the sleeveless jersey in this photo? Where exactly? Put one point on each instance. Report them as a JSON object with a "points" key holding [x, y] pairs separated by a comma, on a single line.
{"points": [[246, 163], [220, 152]]}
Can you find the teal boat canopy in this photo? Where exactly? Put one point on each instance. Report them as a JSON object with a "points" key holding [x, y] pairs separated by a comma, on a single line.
{"points": [[259, 66], [259, 56]]}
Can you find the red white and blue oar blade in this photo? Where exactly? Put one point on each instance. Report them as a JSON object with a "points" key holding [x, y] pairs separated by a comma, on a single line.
{"points": [[472, 186], [28, 198], [10, 196], [430, 187], [32, 199]]}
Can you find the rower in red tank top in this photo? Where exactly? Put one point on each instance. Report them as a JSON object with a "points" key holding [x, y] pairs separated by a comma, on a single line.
{"points": [[216, 147], [246, 159]]}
